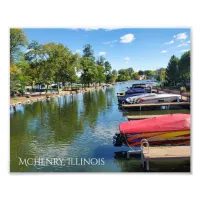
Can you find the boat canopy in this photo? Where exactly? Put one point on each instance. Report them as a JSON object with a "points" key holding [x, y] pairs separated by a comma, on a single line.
{"points": [[135, 90], [171, 122]]}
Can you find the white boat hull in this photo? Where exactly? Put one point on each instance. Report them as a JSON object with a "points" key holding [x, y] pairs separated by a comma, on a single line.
{"points": [[153, 98]]}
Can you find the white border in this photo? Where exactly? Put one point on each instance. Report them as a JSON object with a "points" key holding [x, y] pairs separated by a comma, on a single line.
{"points": [[90, 13]]}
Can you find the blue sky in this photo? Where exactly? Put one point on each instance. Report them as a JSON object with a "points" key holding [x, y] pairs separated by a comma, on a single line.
{"points": [[139, 48]]}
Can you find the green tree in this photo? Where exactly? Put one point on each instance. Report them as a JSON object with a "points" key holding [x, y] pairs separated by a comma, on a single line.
{"points": [[130, 72], [101, 61], [124, 74], [61, 64], [140, 72], [35, 57], [148, 73], [184, 67], [158, 78], [114, 76], [172, 72], [136, 76], [88, 70], [100, 74], [88, 52], [18, 39], [108, 69]]}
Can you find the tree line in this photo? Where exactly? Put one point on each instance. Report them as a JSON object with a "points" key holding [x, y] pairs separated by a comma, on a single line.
{"points": [[178, 70], [44, 64], [53, 63]]}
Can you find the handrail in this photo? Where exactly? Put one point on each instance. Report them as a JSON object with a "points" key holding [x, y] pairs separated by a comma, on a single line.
{"points": [[144, 141]]}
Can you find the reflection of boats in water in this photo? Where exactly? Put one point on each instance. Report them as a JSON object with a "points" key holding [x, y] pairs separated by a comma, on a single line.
{"points": [[152, 98], [172, 129]]}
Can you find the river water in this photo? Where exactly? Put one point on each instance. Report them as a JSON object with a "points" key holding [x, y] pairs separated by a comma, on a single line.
{"points": [[74, 128]]}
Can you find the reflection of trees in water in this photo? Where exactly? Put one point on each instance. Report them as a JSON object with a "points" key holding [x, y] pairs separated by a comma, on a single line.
{"points": [[110, 95], [63, 119], [94, 102], [43, 123], [22, 136]]}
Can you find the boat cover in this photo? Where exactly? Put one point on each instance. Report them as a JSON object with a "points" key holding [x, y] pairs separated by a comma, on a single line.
{"points": [[171, 122], [135, 90]]}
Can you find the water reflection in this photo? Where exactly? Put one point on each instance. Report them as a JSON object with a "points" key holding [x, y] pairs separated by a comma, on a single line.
{"points": [[77, 126]]}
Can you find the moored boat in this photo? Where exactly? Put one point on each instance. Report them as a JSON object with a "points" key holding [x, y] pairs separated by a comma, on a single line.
{"points": [[153, 98], [172, 129]]}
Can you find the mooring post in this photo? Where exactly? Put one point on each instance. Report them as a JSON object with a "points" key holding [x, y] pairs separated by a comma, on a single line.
{"points": [[147, 164]]}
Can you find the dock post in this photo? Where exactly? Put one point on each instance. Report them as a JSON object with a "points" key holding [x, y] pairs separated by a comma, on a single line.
{"points": [[142, 159], [147, 164]]}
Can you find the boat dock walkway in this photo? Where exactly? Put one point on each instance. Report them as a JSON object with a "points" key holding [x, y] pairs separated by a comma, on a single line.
{"points": [[168, 153], [167, 104], [140, 117]]}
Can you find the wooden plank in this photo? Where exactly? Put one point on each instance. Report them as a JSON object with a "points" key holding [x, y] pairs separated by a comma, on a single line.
{"points": [[166, 152], [139, 117], [155, 104]]}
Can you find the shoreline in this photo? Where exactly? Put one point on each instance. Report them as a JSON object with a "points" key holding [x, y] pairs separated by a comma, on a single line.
{"points": [[21, 100]]}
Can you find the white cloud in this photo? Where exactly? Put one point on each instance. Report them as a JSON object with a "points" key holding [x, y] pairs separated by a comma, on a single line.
{"points": [[90, 29], [85, 29], [126, 58], [181, 36], [170, 42], [163, 51], [109, 42], [183, 44], [127, 38], [102, 53], [111, 29], [184, 50], [188, 41]]}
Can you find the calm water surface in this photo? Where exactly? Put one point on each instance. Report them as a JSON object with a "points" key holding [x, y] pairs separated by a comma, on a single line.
{"points": [[78, 126]]}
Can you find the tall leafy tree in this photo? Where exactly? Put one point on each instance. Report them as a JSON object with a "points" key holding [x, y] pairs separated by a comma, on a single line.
{"points": [[184, 67], [114, 75], [124, 75], [36, 57], [140, 72], [88, 52], [101, 77], [18, 39], [130, 71], [88, 70], [101, 61], [172, 71], [108, 69], [136, 76]]}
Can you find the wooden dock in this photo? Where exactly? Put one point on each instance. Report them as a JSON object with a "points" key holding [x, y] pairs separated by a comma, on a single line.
{"points": [[153, 154], [139, 117], [168, 104]]}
